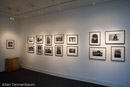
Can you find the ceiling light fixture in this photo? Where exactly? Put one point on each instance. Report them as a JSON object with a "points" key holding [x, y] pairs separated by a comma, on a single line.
{"points": [[11, 18]]}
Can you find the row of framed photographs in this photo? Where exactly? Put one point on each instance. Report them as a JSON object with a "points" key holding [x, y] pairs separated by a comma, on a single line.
{"points": [[99, 53], [58, 39], [111, 37], [48, 50]]}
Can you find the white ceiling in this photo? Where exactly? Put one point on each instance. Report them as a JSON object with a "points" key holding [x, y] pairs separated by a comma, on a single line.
{"points": [[29, 7]]}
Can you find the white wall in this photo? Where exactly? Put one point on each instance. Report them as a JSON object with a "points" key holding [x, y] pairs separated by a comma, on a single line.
{"points": [[8, 30], [110, 16]]}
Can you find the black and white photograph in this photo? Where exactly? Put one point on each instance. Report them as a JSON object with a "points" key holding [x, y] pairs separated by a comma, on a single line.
{"points": [[39, 39], [118, 53], [59, 38], [115, 37], [72, 39], [48, 40], [30, 40], [59, 50], [94, 38], [10, 44], [39, 49], [30, 48], [72, 50], [98, 53], [48, 51]]}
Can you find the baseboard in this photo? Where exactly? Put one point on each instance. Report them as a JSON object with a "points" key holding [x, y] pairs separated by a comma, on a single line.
{"points": [[106, 83]]}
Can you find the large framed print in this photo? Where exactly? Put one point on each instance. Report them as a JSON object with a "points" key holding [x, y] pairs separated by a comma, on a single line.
{"points": [[39, 49], [10, 44], [30, 48], [59, 50], [118, 53], [48, 51], [98, 53], [30, 40], [72, 39], [48, 40], [39, 39], [72, 50], [59, 38], [94, 38], [115, 37]]}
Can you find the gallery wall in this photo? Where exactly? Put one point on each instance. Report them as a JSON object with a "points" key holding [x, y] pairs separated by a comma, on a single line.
{"points": [[81, 21], [8, 30]]}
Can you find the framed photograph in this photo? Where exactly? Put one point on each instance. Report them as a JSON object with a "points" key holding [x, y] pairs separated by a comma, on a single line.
{"points": [[59, 38], [59, 50], [94, 38], [30, 48], [118, 53], [48, 40], [30, 40], [39, 49], [98, 53], [10, 44], [115, 37], [72, 39], [72, 50], [39, 39], [48, 51]]}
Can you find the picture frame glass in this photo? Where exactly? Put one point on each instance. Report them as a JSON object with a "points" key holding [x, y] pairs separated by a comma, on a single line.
{"points": [[115, 37], [97, 53], [59, 38], [39, 39], [94, 38], [72, 50], [118, 53], [48, 51], [10, 44], [48, 40], [39, 49], [72, 39], [30, 48], [59, 50]]}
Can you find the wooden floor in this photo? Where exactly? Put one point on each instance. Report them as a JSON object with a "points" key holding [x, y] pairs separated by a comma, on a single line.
{"points": [[23, 77]]}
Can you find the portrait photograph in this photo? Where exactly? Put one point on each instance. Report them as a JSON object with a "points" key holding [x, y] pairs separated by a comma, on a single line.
{"points": [[48, 51], [72, 50], [48, 40], [118, 53], [39, 49], [30, 40], [98, 53], [115, 37], [10, 44], [30, 48], [72, 39], [59, 38], [59, 50], [94, 38], [39, 39]]}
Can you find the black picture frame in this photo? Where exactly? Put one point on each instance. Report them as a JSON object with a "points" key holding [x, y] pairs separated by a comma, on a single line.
{"points": [[48, 51], [39, 39], [39, 49], [48, 40], [61, 38], [59, 52], [31, 49]]}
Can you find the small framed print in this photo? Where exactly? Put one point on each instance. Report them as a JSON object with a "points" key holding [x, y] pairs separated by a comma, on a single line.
{"points": [[39, 49], [30, 40], [48, 51], [48, 40], [118, 53], [30, 48], [59, 50], [59, 38], [94, 38], [72, 39], [98, 53], [10, 44], [39, 39], [115, 37], [72, 50]]}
